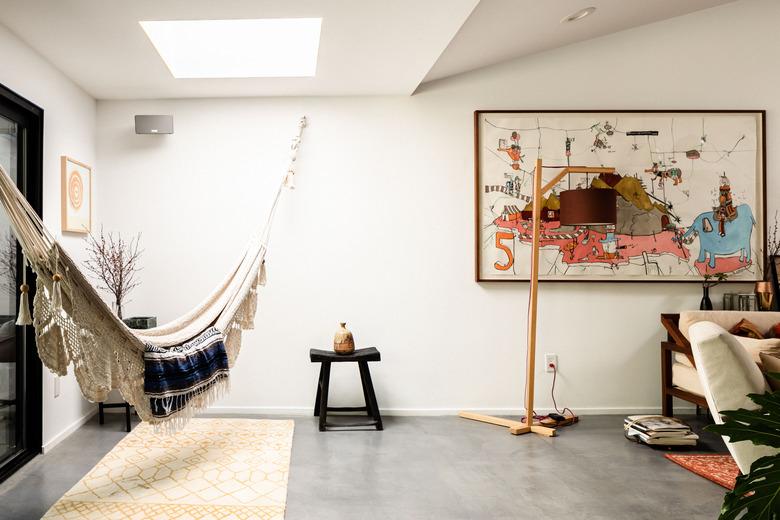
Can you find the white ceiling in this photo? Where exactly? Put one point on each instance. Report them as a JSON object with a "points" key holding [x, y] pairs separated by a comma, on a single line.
{"points": [[367, 47], [500, 30]]}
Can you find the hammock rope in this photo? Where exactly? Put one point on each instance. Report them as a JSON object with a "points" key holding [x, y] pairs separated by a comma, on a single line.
{"points": [[74, 326]]}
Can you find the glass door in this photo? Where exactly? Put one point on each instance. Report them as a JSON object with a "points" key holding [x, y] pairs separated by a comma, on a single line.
{"points": [[21, 137], [10, 442]]}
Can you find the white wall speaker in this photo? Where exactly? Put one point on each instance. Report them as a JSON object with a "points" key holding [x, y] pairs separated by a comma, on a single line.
{"points": [[151, 124]]}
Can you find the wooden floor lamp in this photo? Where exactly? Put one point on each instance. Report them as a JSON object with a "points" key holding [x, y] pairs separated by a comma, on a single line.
{"points": [[584, 207]]}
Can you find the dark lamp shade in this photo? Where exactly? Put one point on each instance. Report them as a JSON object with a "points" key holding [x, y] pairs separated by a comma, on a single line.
{"points": [[588, 207]]}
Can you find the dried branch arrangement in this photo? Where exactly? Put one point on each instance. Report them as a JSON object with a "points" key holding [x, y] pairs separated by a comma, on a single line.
{"points": [[711, 280], [114, 262], [8, 263], [773, 239]]}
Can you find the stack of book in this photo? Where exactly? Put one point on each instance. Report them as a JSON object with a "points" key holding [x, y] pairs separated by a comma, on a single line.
{"points": [[657, 430]]}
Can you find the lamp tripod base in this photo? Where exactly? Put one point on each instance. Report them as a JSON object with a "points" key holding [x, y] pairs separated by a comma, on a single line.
{"points": [[515, 427]]}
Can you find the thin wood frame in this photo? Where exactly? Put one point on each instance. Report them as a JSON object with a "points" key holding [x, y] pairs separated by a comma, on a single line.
{"points": [[64, 160], [761, 114]]}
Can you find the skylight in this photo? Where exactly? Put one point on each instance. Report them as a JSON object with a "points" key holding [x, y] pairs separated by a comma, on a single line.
{"points": [[271, 47]]}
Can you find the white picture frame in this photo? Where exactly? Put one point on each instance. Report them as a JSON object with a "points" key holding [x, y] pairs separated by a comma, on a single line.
{"points": [[76, 187]]}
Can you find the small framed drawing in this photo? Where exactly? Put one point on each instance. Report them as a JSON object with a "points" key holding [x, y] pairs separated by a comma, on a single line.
{"points": [[76, 196]]}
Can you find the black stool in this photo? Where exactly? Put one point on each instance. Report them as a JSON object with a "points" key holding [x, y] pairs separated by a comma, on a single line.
{"points": [[136, 322], [125, 405], [360, 356]]}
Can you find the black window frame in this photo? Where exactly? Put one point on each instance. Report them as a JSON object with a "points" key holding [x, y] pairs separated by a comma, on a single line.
{"points": [[29, 119]]}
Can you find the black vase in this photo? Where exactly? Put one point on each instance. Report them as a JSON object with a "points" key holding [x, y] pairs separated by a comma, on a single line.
{"points": [[706, 303]]}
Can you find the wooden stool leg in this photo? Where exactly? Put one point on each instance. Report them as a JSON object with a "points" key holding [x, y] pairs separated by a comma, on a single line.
{"points": [[101, 417], [319, 391], [368, 388], [366, 397], [324, 394], [127, 416]]}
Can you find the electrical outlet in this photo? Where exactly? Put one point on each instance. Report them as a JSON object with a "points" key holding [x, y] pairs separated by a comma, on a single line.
{"points": [[550, 358], [56, 386]]}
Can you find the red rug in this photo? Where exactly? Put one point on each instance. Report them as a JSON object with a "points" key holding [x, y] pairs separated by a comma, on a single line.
{"points": [[720, 469]]}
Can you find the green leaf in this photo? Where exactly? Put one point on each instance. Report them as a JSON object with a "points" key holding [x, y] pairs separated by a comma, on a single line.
{"points": [[757, 494], [749, 425], [769, 402], [761, 426]]}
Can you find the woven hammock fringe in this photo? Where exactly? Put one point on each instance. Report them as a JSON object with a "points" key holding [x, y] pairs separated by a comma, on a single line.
{"points": [[25, 316], [56, 296], [193, 403]]}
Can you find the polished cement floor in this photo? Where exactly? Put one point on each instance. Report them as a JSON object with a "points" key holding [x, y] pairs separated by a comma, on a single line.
{"points": [[432, 468]]}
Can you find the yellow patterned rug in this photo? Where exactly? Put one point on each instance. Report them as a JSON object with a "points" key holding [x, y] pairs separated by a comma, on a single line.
{"points": [[215, 469]]}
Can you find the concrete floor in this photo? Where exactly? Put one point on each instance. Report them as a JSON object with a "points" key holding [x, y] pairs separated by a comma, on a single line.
{"points": [[431, 468]]}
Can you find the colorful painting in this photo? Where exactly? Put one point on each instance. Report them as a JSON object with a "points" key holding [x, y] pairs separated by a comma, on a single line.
{"points": [[690, 194], [76, 196]]}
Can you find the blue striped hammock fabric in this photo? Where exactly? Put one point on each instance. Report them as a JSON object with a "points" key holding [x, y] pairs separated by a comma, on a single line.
{"points": [[187, 377]]}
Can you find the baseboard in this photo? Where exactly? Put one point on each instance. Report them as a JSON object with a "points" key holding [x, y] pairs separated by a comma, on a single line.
{"points": [[274, 410], [75, 425]]}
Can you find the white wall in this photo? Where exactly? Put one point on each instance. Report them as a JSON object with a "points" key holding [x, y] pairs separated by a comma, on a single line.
{"points": [[380, 231], [69, 129]]}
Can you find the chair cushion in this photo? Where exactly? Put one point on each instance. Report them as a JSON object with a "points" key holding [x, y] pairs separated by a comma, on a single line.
{"points": [[727, 319], [746, 329], [753, 347], [8, 330], [728, 373], [770, 363], [682, 359], [686, 378], [773, 332]]}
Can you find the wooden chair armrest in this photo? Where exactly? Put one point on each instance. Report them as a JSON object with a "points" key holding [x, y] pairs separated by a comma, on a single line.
{"points": [[674, 347], [671, 324]]}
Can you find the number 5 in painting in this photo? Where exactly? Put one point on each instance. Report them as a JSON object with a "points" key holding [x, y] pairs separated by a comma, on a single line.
{"points": [[504, 235]]}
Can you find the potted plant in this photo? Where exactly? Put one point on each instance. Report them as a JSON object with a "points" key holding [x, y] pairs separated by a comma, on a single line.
{"points": [[113, 261], [710, 281], [757, 494]]}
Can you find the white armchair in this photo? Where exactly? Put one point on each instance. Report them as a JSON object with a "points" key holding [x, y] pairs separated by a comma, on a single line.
{"points": [[727, 373], [679, 378]]}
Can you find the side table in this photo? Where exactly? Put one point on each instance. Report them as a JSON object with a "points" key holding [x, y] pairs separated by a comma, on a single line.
{"points": [[360, 356]]}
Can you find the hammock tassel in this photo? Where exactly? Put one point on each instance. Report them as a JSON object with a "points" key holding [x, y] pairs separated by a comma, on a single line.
{"points": [[56, 290], [25, 316], [289, 179], [56, 293], [261, 278]]}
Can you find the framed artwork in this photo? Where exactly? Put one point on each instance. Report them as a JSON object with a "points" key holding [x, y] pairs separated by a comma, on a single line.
{"points": [[690, 194], [76, 196]]}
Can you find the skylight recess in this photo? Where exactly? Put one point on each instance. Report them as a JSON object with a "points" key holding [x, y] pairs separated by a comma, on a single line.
{"points": [[254, 48]]}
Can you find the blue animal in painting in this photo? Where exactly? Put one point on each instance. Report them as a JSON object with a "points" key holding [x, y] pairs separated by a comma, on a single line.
{"points": [[736, 237]]}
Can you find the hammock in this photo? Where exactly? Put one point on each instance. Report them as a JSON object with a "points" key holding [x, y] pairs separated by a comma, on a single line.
{"points": [[74, 325]]}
